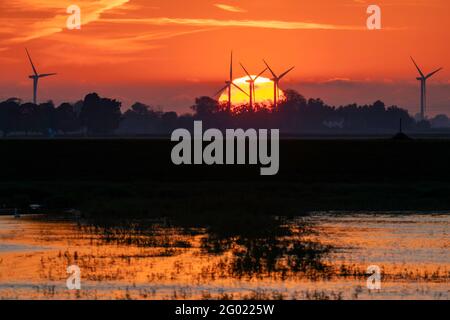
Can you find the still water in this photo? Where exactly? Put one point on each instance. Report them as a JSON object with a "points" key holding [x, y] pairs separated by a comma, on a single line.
{"points": [[319, 256]]}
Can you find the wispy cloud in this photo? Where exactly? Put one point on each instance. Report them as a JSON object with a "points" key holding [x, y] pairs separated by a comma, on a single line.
{"points": [[402, 3], [42, 26], [113, 49], [267, 24], [48, 18], [229, 8], [337, 79]]}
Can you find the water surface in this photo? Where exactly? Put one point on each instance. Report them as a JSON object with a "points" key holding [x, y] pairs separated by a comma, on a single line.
{"points": [[320, 256]]}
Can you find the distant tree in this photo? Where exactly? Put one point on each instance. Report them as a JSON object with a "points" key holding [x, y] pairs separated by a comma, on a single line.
{"points": [[440, 121], [289, 111], [100, 115], [141, 109], [45, 118], [27, 118], [316, 103], [77, 107], [294, 100], [379, 106], [169, 121], [141, 119], [423, 125], [9, 116], [205, 107], [185, 121], [393, 116], [66, 119]]}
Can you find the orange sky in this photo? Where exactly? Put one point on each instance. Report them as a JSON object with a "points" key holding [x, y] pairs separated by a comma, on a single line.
{"points": [[167, 52]]}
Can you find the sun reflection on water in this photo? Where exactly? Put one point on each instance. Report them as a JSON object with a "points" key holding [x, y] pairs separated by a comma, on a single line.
{"points": [[317, 257]]}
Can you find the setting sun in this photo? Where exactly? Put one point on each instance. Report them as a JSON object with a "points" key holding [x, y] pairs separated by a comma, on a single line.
{"points": [[264, 92]]}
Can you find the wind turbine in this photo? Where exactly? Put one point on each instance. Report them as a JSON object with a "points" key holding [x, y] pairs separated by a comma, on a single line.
{"points": [[276, 83], [230, 84], [36, 78], [423, 88], [251, 82]]}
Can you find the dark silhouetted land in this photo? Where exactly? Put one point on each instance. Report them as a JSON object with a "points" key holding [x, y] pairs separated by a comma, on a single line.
{"points": [[137, 178]]}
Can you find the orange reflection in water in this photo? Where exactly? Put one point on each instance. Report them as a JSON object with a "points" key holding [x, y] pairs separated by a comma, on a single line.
{"points": [[318, 257]]}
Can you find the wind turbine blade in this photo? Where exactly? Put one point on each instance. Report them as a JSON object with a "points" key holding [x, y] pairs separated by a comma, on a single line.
{"points": [[46, 75], [259, 75], [31, 61], [240, 89], [270, 69], [418, 69], [221, 90], [433, 73], [285, 73], [248, 74]]}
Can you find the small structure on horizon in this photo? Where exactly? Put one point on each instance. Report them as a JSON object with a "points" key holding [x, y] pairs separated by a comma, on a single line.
{"points": [[401, 135]]}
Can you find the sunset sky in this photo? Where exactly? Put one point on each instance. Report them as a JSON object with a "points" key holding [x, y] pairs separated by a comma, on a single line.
{"points": [[167, 52]]}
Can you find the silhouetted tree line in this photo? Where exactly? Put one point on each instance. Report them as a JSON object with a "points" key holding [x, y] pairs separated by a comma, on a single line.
{"points": [[102, 116], [92, 116]]}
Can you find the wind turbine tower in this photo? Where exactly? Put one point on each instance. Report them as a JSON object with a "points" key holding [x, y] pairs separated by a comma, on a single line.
{"points": [[35, 77], [251, 81], [229, 85]]}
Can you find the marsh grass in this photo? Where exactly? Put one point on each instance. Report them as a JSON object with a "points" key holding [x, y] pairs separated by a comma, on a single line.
{"points": [[195, 257]]}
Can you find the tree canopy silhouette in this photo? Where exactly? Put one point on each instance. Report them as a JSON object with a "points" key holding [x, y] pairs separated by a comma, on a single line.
{"points": [[66, 119], [100, 115], [95, 115], [9, 115]]}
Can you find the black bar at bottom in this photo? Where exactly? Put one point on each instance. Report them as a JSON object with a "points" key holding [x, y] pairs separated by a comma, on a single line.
{"points": [[223, 309]]}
